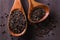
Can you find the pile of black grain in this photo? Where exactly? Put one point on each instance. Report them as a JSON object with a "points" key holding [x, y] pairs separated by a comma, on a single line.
{"points": [[37, 13], [17, 21]]}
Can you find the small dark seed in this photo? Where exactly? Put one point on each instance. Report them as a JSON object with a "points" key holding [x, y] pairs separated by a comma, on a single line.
{"points": [[48, 4], [3, 32], [2, 17], [53, 33]]}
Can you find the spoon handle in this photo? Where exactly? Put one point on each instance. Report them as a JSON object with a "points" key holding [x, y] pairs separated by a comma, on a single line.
{"points": [[16, 5], [33, 3]]}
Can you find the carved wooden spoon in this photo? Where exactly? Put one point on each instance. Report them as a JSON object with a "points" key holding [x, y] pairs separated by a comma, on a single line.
{"points": [[37, 12], [17, 23]]}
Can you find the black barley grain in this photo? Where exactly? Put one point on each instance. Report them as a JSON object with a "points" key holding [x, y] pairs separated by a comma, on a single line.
{"points": [[3, 32], [2, 17]]}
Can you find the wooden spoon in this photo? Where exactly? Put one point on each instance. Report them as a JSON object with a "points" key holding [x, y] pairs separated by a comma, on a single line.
{"points": [[33, 5], [17, 11]]}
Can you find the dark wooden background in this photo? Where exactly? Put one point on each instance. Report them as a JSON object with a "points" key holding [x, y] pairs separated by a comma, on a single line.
{"points": [[5, 6]]}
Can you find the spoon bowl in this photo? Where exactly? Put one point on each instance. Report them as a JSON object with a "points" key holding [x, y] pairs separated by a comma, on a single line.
{"points": [[17, 23], [37, 12]]}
